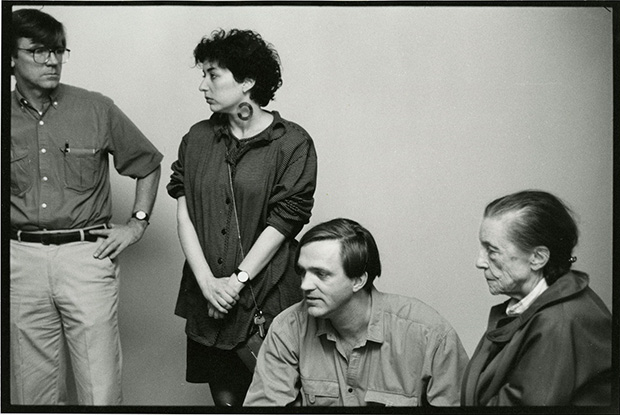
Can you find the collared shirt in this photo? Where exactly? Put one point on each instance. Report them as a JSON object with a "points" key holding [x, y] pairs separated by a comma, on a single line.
{"points": [[411, 356], [518, 307], [59, 159]]}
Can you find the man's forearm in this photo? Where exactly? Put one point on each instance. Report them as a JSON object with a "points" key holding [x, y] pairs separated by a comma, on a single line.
{"points": [[146, 191]]}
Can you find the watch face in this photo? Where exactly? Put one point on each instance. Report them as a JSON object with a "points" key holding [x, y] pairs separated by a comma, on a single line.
{"points": [[243, 276], [140, 215]]}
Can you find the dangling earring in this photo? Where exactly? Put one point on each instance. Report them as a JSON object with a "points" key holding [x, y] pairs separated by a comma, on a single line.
{"points": [[245, 111]]}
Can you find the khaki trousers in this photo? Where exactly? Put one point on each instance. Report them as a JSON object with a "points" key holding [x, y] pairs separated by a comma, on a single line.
{"points": [[56, 292]]}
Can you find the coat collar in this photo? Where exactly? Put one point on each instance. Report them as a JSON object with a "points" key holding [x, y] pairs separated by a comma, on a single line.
{"points": [[276, 130], [502, 327]]}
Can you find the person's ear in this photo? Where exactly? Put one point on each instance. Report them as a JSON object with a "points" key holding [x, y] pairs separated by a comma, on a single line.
{"points": [[360, 282], [539, 258], [247, 84]]}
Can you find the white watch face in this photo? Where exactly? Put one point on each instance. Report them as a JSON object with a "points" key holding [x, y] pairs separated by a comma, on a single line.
{"points": [[243, 276], [140, 215]]}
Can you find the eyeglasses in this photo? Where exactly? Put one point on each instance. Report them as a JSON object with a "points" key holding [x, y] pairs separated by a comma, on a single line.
{"points": [[42, 55]]}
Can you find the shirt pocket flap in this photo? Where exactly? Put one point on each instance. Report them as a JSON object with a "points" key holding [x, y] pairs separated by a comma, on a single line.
{"points": [[390, 399], [320, 392], [21, 180], [17, 155], [82, 152]]}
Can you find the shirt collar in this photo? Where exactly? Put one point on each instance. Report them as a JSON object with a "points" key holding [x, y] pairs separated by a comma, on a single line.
{"points": [[324, 327], [377, 316], [502, 327], [518, 307], [375, 325], [23, 102]]}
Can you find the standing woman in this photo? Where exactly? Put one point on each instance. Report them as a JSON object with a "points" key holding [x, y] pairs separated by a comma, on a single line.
{"points": [[244, 183], [549, 344]]}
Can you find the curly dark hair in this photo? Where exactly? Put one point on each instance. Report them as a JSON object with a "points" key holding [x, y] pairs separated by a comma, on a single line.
{"points": [[247, 56], [542, 219]]}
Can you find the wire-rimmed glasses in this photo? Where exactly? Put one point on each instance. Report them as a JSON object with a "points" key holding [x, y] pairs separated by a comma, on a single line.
{"points": [[42, 55]]}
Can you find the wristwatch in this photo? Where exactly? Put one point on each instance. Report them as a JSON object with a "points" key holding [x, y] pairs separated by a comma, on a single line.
{"points": [[242, 276], [141, 215]]}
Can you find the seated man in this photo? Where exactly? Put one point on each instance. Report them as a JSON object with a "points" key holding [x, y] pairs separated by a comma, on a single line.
{"points": [[347, 343]]}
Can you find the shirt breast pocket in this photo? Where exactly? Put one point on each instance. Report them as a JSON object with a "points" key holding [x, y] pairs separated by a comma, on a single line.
{"points": [[389, 399], [81, 168], [21, 179], [320, 392]]}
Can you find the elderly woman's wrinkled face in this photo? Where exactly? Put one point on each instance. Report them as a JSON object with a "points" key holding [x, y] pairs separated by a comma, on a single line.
{"points": [[507, 269]]}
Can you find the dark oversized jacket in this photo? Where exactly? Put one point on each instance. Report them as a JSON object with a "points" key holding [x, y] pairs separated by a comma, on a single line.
{"points": [[274, 177], [558, 352]]}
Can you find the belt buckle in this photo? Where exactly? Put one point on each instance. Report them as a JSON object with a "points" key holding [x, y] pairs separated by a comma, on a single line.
{"points": [[46, 238]]}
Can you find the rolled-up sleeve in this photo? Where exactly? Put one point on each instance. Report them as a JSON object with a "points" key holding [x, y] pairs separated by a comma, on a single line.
{"points": [[176, 185], [292, 199]]}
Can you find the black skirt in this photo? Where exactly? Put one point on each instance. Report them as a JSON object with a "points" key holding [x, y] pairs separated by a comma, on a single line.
{"points": [[207, 364]]}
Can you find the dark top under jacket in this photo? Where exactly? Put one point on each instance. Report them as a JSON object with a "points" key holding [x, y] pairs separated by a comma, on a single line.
{"points": [[274, 176]]}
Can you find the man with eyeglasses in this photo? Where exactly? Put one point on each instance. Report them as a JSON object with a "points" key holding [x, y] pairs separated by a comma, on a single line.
{"points": [[63, 251]]}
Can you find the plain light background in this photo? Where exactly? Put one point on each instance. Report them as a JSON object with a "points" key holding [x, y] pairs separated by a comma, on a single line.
{"points": [[420, 116]]}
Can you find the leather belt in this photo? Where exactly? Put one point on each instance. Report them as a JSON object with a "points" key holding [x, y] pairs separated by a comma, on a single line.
{"points": [[57, 237]]}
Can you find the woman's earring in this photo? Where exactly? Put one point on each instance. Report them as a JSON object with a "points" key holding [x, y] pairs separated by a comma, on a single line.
{"points": [[245, 111]]}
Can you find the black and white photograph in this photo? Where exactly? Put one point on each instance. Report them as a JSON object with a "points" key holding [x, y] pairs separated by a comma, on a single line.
{"points": [[309, 204]]}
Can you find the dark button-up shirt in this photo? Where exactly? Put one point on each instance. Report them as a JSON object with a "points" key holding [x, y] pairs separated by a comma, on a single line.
{"points": [[59, 159], [274, 177], [411, 356]]}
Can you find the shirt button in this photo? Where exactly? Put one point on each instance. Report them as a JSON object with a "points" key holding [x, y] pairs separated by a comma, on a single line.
{"points": [[44, 178], [44, 205], [41, 122], [220, 261], [228, 200], [350, 390], [224, 231], [43, 151]]}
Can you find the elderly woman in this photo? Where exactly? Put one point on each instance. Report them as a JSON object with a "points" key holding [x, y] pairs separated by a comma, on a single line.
{"points": [[244, 183], [550, 343]]}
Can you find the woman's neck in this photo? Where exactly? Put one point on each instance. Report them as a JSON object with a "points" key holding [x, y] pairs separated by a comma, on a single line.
{"points": [[528, 287], [249, 121]]}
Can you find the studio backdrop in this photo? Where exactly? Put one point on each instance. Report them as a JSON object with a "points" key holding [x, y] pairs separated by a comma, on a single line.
{"points": [[420, 117]]}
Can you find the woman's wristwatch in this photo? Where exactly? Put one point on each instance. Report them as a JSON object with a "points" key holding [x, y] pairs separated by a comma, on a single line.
{"points": [[242, 276]]}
